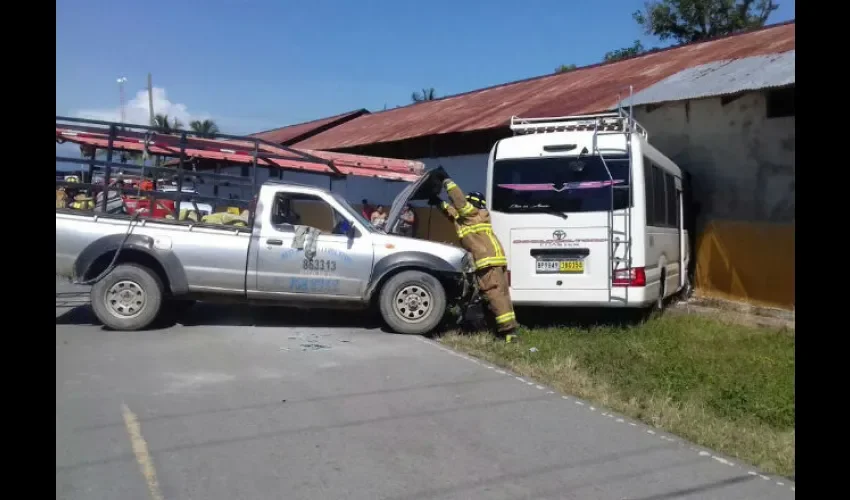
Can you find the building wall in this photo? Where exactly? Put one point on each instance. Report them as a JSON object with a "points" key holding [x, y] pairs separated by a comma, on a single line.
{"points": [[742, 169], [353, 189], [469, 171]]}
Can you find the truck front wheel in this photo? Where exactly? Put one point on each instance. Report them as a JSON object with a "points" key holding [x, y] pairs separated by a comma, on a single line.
{"points": [[412, 302], [128, 298]]}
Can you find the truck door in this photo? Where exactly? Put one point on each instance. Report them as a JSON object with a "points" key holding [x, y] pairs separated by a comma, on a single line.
{"points": [[341, 265]]}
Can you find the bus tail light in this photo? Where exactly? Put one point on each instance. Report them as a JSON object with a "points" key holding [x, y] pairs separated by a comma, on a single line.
{"points": [[635, 276]]}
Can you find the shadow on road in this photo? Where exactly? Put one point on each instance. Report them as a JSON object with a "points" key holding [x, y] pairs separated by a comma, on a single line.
{"points": [[208, 314], [235, 315], [551, 317], [578, 317]]}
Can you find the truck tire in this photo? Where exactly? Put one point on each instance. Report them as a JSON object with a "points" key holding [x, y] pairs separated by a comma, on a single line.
{"points": [[127, 299], [412, 302]]}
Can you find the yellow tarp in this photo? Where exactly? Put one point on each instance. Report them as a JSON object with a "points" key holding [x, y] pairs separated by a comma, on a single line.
{"points": [[747, 261]]}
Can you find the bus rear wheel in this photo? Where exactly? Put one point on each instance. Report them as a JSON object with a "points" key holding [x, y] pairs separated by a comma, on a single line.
{"points": [[657, 307]]}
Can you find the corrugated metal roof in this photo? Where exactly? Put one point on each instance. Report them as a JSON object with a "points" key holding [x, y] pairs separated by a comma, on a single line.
{"points": [[291, 134], [721, 78], [584, 90]]}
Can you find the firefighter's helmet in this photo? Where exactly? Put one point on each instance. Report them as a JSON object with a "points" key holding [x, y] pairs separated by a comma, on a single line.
{"points": [[477, 200]]}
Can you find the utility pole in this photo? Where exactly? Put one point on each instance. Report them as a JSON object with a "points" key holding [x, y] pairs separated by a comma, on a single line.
{"points": [[150, 97], [121, 82], [151, 124]]}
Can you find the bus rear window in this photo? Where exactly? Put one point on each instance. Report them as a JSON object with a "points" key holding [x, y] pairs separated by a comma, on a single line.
{"points": [[563, 184]]}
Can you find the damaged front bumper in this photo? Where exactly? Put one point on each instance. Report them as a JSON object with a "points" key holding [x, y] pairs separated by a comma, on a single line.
{"points": [[470, 301]]}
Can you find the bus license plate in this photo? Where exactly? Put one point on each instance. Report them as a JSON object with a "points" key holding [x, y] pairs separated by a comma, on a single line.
{"points": [[560, 266]]}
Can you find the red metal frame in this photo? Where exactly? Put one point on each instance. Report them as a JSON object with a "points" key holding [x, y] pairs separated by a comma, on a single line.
{"points": [[237, 151]]}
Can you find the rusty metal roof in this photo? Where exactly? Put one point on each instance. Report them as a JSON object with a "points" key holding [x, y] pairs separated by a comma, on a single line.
{"points": [[291, 134], [721, 78], [584, 90]]}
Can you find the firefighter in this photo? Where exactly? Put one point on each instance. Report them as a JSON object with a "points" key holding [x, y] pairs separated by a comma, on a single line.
{"points": [[472, 223], [77, 199]]}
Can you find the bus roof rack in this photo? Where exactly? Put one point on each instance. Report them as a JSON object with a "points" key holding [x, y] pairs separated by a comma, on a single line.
{"points": [[616, 121]]}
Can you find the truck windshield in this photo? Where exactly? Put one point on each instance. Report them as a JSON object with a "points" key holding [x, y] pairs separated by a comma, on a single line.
{"points": [[562, 184], [354, 213]]}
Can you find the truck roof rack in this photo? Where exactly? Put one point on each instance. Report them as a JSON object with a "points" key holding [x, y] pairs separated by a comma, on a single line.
{"points": [[617, 121], [230, 148]]}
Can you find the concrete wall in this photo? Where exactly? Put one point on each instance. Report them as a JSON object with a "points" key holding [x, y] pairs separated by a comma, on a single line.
{"points": [[743, 174]]}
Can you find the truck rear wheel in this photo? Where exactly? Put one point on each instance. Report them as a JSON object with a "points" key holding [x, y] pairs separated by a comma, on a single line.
{"points": [[412, 302], [128, 298]]}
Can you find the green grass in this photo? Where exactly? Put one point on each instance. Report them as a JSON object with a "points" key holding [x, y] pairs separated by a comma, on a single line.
{"points": [[724, 386]]}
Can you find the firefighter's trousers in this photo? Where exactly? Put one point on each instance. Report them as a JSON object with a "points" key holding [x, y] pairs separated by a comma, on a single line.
{"points": [[493, 283]]}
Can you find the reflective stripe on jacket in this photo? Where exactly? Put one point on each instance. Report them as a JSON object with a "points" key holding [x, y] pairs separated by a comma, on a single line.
{"points": [[473, 228], [81, 203]]}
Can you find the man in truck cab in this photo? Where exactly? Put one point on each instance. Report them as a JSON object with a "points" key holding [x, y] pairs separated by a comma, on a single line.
{"points": [[472, 224]]}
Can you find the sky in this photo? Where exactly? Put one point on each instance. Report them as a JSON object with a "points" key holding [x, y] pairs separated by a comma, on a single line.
{"points": [[253, 65]]}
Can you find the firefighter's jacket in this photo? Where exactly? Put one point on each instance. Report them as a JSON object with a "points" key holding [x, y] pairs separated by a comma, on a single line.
{"points": [[473, 228]]}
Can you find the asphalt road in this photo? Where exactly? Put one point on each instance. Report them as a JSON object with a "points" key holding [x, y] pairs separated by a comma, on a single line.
{"points": [[301, 406]]}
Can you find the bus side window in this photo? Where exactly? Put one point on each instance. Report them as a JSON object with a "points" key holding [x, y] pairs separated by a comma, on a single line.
{"points": [[672, 201], [647, 184], [659, 198]]}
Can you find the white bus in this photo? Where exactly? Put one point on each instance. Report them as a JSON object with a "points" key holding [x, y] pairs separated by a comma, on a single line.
{"points": [[590, 214]]}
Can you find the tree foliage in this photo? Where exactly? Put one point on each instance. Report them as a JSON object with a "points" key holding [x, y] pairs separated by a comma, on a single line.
{"points": [[626, 52], [564, 68], [165, 124], [692, 20], [204, 128], [428, 94]]}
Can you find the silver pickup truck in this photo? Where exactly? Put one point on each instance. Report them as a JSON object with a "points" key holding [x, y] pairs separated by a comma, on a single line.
{"points": [[163, 265]]}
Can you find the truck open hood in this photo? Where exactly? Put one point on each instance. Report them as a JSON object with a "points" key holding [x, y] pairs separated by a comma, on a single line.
{"points": [[425, 187]]}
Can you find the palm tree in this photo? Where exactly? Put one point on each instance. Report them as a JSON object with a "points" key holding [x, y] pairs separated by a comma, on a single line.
{"points": [[204, 128], [428, 94], [166, 126]]}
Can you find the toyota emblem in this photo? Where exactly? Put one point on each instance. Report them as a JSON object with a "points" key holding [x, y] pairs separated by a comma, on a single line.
{"points": [[559, 235]]}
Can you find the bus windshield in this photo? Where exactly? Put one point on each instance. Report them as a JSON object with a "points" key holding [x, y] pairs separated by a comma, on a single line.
{"points": [[559, 184]]}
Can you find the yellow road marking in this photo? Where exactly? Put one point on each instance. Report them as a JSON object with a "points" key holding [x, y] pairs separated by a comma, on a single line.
{"points": [[140, 449]]}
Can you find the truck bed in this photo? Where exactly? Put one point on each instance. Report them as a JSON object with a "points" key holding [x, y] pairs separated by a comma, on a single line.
{"points": [[213, 257]]}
